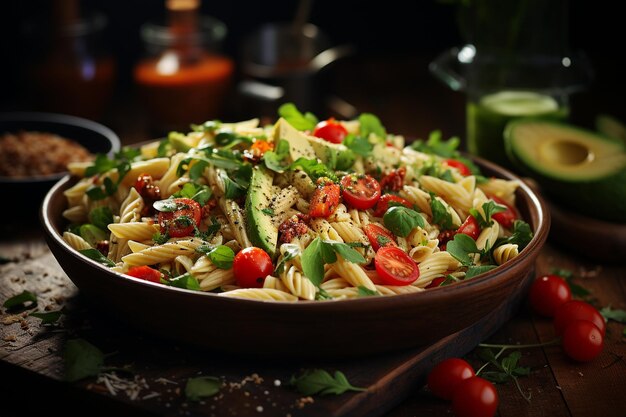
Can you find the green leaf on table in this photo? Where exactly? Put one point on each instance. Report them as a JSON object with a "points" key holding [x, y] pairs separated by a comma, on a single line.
{"points": [[82, 360], [23, 300], [202, 387], [463, 248], [562, 272], [369, 124], [319, 381], [613, 314], [49, 317], [290, 112], [577, 290], [401, 220], [97, 256]]}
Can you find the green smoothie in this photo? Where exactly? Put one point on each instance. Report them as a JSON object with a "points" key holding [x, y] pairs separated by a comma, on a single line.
{"points": [[487, 118]]}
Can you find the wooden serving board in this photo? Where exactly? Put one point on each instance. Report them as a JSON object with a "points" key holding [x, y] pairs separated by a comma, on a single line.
{"points": [[31, 359]]}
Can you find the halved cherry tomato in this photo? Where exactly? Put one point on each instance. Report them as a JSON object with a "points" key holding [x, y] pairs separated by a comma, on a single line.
{"points": [[446, 376], [181, 222], [577, 310], [379, 237], [470, 227], [394, 180], [360, 191], [251, 266], [383, 204], [460, 166], [325, 198], [148, 191], [506, 217], [146, 273], [330, 130], [582, 340], [395, 267]]}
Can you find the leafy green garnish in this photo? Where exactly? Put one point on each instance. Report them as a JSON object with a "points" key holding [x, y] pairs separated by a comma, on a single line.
{"points": [[103, 164], [436, 146], [186, 281], [401, 220], [160, 238], [101, 217], [358, 144], [371, 124], [441, 216], [289, 251], [314, 169], [25, 299], [197, 192], [521, 236], [320, 252], [475, 270], [82, 360], [613, 314], [221, 256], [577, 290], [100, 165], [319, 381], [49, 317], [229, 139], [268, 211], [462, 248], [202, 387], [274, 159], [209, 126], [507, 369], [366, 292], [92, 234], [490, 208], [290, 112], [164, 148], [95, 255]]}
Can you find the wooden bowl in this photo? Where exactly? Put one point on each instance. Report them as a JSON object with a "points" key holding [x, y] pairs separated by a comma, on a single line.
{"points": [[333, 328]]}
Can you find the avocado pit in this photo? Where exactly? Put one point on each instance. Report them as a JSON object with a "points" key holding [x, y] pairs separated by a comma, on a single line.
{"points": [[566, 152]]}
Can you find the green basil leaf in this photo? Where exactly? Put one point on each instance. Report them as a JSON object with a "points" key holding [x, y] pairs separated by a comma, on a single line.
{"points": [[366, 292], [462, 248], [95, 193], [346, 252], [521, 236], [101, 217], [614, 314], [208, 126], [371, 124], [95, 255], [92, 234], [489, 208], [314, 169], [232, 190], [201, 387], [100, 165], [25, 299], [289, 251], [222, 257], [441, 216], [197, 169], [300, 121], [186, 281], [274, 159], [473, 270], [313, 263], [82, 360], [358, 144], [49, 317], [127, 153], [319, 381], [401, 220], [164, 148], [436, 146]]}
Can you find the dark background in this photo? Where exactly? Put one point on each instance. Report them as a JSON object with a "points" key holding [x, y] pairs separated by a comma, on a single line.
{"points": [[395, 41]]}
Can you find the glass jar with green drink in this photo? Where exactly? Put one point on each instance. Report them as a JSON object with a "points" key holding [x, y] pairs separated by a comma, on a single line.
{"points": [[516, 63]]}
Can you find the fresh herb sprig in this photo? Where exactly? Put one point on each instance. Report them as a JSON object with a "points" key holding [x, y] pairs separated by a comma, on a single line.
{"points": [[319, 381]]}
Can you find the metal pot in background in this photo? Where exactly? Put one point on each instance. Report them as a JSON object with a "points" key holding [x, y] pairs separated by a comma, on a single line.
{"points": [[285, 63]]}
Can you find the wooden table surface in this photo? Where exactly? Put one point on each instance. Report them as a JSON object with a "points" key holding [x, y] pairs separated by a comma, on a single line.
{"points": [[30, 354]]}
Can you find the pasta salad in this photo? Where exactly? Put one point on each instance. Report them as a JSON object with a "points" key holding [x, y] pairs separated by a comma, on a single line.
{"points": [[295, 211]]}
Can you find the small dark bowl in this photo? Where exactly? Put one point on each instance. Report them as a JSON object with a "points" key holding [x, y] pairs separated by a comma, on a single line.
{"points": [[332, 328], [27, 193]]}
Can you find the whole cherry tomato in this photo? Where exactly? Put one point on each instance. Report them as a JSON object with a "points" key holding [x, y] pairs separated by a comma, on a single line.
{"points": [[577, 310], [582, 340], [460, 166], [547, 293], [251, 266], [444, 378], [475, 397], [330, 130]]}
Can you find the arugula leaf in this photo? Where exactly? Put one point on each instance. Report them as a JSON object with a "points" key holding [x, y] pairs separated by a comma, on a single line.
{"points": [[314, 169], [49, 317], [127, 153], [229, 139], [366, 292], [489, 208], [462, 247], [197, 170], [103, 164], [164, 148], [508, 369], [82, 360], [441, 216], [474, 270], [401, 220], [202, 387], [289, 251], [319, 381], [290, 112], [358, 144], [346, 252], [312, 262], [100, 165], [101, 217], [197, 192], [232, 190], [160, 238], [613, 314], [273, 160], [95, 255], [322, 295], [186, 281], [371, 124], [25, 299]]}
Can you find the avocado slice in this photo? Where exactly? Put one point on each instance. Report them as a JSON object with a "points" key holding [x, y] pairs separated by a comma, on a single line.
{"points": [[299, 146], [611, 127], [180, 141], [261, 231], [334, 155], [580, 169]]}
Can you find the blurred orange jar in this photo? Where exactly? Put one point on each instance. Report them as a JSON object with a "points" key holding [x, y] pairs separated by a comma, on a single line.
{"points": [[183, 79]]}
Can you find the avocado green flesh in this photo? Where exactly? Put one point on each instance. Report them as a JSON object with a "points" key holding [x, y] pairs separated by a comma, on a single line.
{"points": [[579, 169], [611, 127], [261, 230]]}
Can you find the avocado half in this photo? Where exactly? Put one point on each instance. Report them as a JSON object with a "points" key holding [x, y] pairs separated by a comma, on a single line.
{"points": [[579, 169]]}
